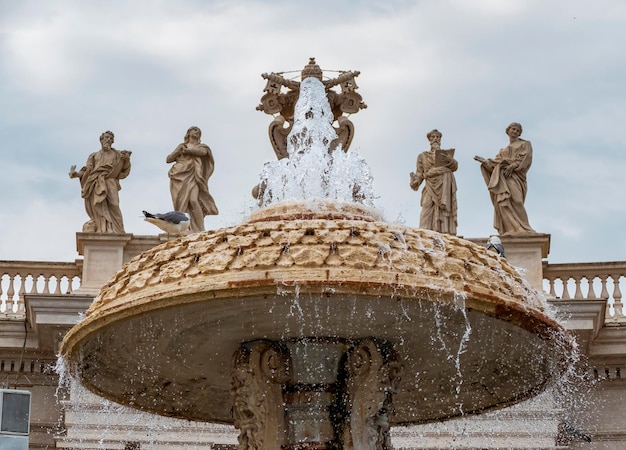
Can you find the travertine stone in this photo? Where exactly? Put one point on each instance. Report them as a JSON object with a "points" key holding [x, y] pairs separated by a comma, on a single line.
{"points": [[103, 256], [99, 181], [526, 252], [372, 377], [455, 258], [436, 168], [189, 179], [379, 280], [505, 176], [260, 369]]}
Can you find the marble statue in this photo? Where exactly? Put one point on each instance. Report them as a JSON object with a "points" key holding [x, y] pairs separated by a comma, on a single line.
{"points": [[436, 168], [505, 176], [99, 181], [189, 178]]}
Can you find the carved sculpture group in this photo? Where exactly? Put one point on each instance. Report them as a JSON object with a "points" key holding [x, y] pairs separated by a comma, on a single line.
{"points": [[189, 177], [193, 165], [505, 176]]}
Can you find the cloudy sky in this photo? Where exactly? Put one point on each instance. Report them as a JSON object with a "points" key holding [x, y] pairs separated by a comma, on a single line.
{"points": [[70, 70]]}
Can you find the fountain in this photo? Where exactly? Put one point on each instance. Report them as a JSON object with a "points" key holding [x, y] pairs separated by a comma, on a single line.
{"points": [[314, 324]]}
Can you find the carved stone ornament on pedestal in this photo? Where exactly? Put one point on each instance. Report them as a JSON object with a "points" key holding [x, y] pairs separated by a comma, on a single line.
{"points": [[372, 375], [314, 394], [259, 370]]}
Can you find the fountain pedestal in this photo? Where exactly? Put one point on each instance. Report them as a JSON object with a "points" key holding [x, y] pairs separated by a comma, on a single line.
{"points": [[314, 394]]}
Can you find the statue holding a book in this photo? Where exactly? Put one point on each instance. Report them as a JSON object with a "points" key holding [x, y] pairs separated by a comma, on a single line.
{"points": [[436, 168], [100, 182]]}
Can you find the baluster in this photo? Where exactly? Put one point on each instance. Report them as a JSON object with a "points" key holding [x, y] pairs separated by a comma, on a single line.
{"points": [[33, 287], [617, 296], [57, 289], [18, 303], [10, 294], [552, 290], [578, 295], [591, 294], [46, 282], [3, 303], [78, 283], [604, 294], [22, 290], [2, 300], [565, 295], [69, 289]]}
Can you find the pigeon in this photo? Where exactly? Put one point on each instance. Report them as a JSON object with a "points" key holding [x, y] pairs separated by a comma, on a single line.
{"points": [[173, 222], [495, 244]]}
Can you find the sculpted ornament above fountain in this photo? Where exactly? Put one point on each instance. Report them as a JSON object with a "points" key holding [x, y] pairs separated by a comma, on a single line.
{"points": [[314, 324], [348, 101]]}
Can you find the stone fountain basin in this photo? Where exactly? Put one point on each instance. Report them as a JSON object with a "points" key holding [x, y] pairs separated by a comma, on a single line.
{"points": [[470, 334]]}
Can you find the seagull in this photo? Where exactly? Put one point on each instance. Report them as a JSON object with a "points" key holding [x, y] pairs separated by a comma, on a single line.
{"points": [[173, 222], [495, 244]]}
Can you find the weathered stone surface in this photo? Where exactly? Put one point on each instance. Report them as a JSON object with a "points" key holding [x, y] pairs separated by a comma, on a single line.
{"points": [[189, 178], [99, 181], [314, 276]]}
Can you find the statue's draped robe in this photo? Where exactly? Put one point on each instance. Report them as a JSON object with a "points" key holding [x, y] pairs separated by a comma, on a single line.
{"points": [[100, 185], [192, 172], [438, 202], [509, 193]]}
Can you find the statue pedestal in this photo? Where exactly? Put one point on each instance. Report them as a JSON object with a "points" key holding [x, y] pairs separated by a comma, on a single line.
{"points": [[526, 252], [103, 256], [105, 253]]}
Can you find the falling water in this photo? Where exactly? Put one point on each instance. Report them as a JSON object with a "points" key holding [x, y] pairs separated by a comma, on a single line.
{"points": [[313, 170]]}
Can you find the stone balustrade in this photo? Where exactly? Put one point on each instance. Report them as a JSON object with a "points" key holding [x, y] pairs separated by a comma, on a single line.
{"points": [[588, 281], [566, 281], [19, 278]]}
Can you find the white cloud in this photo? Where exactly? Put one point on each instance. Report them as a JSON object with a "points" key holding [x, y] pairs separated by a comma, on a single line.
{"points": [[71, 70]]}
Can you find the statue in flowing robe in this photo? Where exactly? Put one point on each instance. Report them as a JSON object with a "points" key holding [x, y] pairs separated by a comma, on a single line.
{"points": [[505, 176], [436, 168], [99, 181], [189, 178]]}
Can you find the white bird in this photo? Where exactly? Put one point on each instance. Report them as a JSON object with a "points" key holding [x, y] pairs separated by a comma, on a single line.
{"points": [[495, 244], [173, 222]]}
